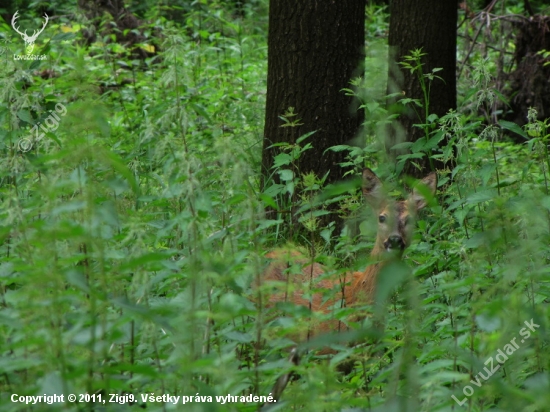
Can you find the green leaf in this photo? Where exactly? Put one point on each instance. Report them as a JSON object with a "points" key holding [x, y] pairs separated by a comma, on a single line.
{"points": [[400, 146], [201, 111], [286, 175], [411, 156], [513, 128], [432, 118], [340, 148], [236, 199], [482, 196], [268, 201], [488, 323], [239, 336], [461, 213], [340, 188], [282, 159], [475, 241], [54, 138], [305, 136], [25, 115], [408, 100], [419, 145], [545, 201], [372, 106], [114, 161], [434, 140]]}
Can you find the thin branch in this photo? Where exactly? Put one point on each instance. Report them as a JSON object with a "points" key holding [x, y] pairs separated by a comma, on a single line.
{"points": [[528, 7]]}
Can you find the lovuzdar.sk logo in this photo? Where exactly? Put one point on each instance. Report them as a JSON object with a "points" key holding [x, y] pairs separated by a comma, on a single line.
{"points": [[28, 39]]}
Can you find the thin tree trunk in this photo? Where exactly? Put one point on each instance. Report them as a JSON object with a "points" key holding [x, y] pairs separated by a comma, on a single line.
{"points": [[431, 26]]}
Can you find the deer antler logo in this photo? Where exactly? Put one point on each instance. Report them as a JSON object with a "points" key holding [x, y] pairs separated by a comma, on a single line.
{"points": [[29, 40]]}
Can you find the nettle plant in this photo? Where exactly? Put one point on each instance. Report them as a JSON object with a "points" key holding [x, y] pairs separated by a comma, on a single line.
{"points": [[489, 220], [294, 196], [475, 286], [423, 146]]}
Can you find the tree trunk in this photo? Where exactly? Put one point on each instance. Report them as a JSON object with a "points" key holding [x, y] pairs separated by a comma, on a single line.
{"points": [[314, 49], [529, 83], [431, 26]]}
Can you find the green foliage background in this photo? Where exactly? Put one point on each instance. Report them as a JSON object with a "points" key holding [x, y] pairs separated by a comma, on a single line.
{"points": [[132, 233]]}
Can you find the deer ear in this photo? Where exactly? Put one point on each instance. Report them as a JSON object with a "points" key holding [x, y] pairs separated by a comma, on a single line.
{"points": [[372, 188], [425, 189]]}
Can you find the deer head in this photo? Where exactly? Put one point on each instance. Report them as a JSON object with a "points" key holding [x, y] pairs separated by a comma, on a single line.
{"points": [[29, 40], [395, 217]]}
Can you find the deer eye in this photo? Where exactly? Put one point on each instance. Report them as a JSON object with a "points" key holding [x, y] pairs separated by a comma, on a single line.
{"points": [[381, 218]]}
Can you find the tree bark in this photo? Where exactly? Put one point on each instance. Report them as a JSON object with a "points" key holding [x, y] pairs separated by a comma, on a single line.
{"points": [[430, 25], [529, 83], [314, 49]]}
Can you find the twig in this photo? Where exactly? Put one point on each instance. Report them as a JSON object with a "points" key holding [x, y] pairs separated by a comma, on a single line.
{"points": [[470, 50], [528, 7]]}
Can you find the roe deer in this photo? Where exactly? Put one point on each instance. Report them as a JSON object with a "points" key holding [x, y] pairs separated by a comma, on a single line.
{"points": [[395, 226]]}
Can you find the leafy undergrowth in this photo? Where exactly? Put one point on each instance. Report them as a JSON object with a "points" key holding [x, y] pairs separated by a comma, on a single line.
{"points": [[133, 229]]}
